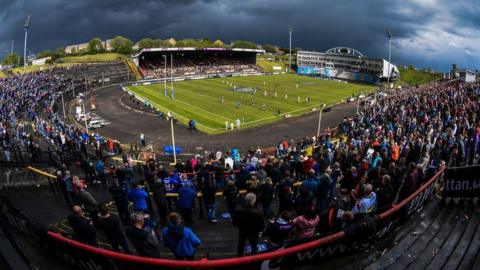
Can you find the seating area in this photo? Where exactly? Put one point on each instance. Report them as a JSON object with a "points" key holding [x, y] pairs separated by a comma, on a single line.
{"points": [[112, 72], [190, 64]]}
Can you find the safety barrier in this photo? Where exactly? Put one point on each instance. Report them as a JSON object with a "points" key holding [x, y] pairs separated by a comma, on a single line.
{"points": [[292, 253], [169, 195]]}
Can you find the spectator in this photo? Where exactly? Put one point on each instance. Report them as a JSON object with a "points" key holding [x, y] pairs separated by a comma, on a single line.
{"points": [[384, 194], [186, 199], [88, 201], [139, 197], [83, 228], [249, 222], [144, 238], [100, 168], [231, 196], [305, 225], [110, 225], [180, 239], [159, 195], [311, 183], [208, 195], [120, 197], [285, 198], [367, 203], [279, 229], [324, 189], [410, 182], [266, 196]]}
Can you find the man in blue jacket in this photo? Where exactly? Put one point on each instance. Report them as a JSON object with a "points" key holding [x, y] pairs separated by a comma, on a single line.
{"points": [[311, 183], [139, 197], [100, 168], [186, 198], [180, 239]]}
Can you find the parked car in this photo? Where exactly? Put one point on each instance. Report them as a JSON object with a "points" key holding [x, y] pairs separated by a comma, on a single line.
{"points": [[95, 124]]}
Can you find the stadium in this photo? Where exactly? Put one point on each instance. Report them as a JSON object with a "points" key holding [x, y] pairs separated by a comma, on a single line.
{"points": [[346, 64], [209, 86], [194, 154]]}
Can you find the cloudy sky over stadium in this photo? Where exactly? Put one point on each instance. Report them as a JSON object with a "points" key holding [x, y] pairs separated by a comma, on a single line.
{"points": [[432, 33]]}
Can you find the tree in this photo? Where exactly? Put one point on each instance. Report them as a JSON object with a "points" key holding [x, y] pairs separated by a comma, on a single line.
{"points": [[269, 48], [160, 43], [206, 43], [11, 59], [244, 44], [121, 45], [44, 54], [188, 43], [146, 43], [95, 46], [218, 43], [60, 52], [171, 42]]}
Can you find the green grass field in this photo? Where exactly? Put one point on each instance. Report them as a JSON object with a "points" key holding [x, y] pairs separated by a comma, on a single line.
{"points": [[200, 99]]}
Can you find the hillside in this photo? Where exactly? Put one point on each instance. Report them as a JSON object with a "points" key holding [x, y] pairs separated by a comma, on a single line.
{"points": [[267, 63], [89, 58], [411, 77]]}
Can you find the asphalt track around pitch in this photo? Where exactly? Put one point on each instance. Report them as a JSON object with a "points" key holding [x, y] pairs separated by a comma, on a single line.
{"points": [[127, 124]]}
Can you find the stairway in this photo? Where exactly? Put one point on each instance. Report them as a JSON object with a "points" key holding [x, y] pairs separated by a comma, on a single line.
{"points": [[218, 240], [441, 236]]}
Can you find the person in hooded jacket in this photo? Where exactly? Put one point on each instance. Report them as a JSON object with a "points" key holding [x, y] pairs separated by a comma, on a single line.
{"points": [[231, 196], [186, 199], [267, 191], [160, 197], [208, 192], [180, 239], [279, 229], [306, 224]]}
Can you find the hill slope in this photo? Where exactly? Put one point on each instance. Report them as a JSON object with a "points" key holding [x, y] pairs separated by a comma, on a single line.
{"points": [[411, 77]]}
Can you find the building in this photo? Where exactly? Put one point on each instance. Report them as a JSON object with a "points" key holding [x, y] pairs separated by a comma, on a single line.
{"points": [[346, 64], [107, 44], [41, 61], [467, 75], [76, 48], [464, 75]]}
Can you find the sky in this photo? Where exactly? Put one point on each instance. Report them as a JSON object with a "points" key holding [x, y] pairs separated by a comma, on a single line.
{"points": [[426, 33]]}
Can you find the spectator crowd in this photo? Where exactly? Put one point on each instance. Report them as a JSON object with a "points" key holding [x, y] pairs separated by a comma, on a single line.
{"points": [[154, 67], [311, 187]]}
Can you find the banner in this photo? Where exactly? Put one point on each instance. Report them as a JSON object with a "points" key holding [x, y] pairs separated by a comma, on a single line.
{"points": [[462, 182]]}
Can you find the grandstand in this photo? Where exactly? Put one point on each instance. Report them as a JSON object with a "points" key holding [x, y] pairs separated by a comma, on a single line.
{"points": [[98, 73], [360, 152], [155, 63], [345, 64]]}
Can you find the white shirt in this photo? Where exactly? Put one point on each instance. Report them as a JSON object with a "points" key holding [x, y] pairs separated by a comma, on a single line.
{"points": [[229, 161]]}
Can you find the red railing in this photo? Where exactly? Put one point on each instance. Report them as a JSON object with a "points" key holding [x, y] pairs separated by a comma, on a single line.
{"points": [[231, 262]]}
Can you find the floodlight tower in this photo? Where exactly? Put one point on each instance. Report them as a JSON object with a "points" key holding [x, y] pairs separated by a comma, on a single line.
{"points": [[25, 27], [389, 36], [290, 30]]}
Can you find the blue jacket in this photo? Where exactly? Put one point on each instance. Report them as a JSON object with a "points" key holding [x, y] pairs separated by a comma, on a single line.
{"points": [[68, 183], [100, 167], [139, 198], [186, 196], [311, 185], [180, 240]]}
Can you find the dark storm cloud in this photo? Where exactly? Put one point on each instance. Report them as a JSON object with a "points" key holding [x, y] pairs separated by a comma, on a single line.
{"points": [[426, 32]]}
